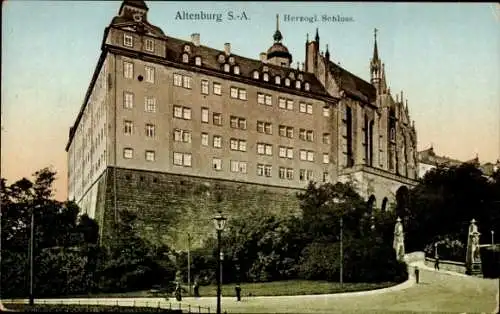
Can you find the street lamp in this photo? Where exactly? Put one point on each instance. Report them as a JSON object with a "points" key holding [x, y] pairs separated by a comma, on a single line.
{"points": [[338, 201], [492, 237], [219, 222], [436, 250]]}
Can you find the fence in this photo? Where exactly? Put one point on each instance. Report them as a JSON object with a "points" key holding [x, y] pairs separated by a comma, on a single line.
{"points": [[154, 305]]}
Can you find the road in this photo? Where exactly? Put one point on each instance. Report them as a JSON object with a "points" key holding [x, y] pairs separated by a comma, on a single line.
{"points": [[441, 292]]}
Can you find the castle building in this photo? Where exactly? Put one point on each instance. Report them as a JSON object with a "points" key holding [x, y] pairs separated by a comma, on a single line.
{"points": [[165, 117]]}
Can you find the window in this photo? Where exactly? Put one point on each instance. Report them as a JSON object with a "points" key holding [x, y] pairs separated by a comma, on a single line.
{"points": [[277, 80], [282, 103], [186, 83], [226, 67], [282, 172], [239, 145], [177, 80], [150, 130], [305, 175], [128, 153], [326, 177], [303, 154], [128, 40], [150, 74], [197, 61], [236, 70], [264, 127], [217, 88], [326, 111], [185, 58], [289, 132], [302, 107], [186, 113], [269, 100], [286, 152], [306, 86], [150, 155], [204, 115], [326, 158], [297, 84], [234, 92], [128, 127], [128, 102], [302, 134], [217, 119], [264, 149], [217, 164], [238, 123], [150, 104], [260, 170], [238, 166], [128, 70], [150, 45], [204, 87], [256, 75], [182, 159], [310, 136], [326, 138], [268, 170], [310, 156], [266, 77], [217, 141], [287, 82], [242, 94], [309, 108], [182, 136], [289, 104], [260, 98], [204, 139], [177, 111]]}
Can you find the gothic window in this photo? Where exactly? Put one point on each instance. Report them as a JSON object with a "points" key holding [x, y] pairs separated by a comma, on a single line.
{"points": [[348, 136], [287, 82], [266, 77], [365, 140], [370, 143]]}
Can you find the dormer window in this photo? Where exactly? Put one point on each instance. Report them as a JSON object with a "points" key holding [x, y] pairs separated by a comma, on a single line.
{"points": [[265, 68], [231, 60], [222, 58], [256, 75], [226, 67], [185, 58], [197, 61], [187, 48], [128, 40], [297, 84], [266, 77], [236, 70], [287, 82], [277, 80], [306, 86], [149, 45]]}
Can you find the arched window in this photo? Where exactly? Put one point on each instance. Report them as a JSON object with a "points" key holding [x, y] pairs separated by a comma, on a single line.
{"points": [[197, 61], [266, 77], [306, 86], [287, 82], [256, 75], [384, 204], [277, 80], [297, 84], [226, 67], [185, 57], [236, 70]]}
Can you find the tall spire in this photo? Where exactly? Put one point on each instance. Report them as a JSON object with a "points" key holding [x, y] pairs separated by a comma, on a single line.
{"points": [[277, 35], [316, 38], [375, 48], [327, 53]]}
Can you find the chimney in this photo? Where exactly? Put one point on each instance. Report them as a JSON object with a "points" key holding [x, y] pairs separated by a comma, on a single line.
{"points": [[303, 67], [195, 39], [227, 49], [263, 57]]}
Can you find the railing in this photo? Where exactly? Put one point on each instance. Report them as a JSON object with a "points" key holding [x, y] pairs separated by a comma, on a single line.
{"points": [[457, 267], [153, 304]]}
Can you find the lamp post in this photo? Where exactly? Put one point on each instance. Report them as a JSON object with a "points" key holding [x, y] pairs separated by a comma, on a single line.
{"points": [[31, 253], [338, 201], [492, 237], [436, 250], [219, 222]]}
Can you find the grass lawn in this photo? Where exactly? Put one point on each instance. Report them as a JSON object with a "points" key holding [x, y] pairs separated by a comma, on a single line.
{"points": [[275, 288]]}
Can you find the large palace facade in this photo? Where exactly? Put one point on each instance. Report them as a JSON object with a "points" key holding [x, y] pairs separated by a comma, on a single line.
{"points": [[166, 120]]}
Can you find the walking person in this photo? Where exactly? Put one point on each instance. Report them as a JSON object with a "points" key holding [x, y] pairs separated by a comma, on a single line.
{"points": [[237, 289], [196, 288], [436, 263], [178, 292]]}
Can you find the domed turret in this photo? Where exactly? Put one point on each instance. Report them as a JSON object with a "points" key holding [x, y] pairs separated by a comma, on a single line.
{"points": [[278, 53]]}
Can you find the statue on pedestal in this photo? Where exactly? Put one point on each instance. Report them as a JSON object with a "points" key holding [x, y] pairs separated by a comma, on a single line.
{"points": [[473, 257], [399, 240]]}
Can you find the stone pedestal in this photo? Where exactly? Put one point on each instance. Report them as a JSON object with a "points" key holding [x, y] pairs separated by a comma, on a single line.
{"points": [[473, 258]]}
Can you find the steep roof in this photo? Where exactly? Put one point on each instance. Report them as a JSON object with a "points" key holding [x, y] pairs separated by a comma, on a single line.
{"points": [[352, 84]]}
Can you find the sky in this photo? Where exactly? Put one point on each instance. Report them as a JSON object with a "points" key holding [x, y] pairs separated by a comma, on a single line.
{"points": [[445, 57]]}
